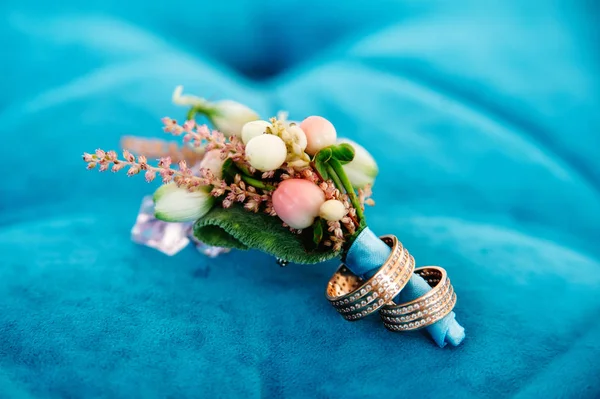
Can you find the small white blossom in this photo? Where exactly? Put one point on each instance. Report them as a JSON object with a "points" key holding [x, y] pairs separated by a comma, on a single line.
{"points": [[186, 100]]}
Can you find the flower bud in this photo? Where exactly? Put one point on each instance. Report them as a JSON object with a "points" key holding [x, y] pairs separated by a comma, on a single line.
{"points": [[297, 202], [177, 204], [187, 100], [229, 117], [298, 136], [320, 133], [332, 210], [213, 162], [252, 129], [266, 152], [363, 169]]}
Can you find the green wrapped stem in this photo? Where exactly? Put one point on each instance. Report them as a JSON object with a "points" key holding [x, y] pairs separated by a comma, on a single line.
{"points": [[345, 182]]}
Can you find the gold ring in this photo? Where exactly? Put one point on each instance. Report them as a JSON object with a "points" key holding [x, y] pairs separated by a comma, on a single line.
{"points": [[426, 309], [354, 298]]}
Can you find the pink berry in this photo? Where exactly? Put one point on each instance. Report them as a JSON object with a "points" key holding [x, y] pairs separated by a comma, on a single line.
{"points": [[320, 133], [297, 202]]}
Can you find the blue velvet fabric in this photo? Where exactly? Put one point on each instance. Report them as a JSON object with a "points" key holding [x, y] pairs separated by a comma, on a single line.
{"points": [[483, 116]]}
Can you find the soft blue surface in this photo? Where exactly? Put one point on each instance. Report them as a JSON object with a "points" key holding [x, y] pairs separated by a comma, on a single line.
{"points": [[484, 117]]}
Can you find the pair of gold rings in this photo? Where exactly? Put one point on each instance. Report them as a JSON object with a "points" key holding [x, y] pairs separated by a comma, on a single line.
{"points": [[355, 298]]}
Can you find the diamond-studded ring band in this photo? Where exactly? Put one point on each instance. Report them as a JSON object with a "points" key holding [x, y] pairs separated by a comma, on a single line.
{"points": [[426, 309], [354, 298]]}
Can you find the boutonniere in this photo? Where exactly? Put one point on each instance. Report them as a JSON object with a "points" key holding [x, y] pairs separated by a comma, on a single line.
{"points": [[294, 190]]}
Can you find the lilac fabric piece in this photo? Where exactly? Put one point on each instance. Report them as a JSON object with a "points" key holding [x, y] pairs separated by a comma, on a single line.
{"points": [[368, 253]]}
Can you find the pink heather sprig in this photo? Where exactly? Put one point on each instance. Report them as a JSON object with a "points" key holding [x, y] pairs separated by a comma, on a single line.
{"points": [[337, 238], [109, 160], [238, 191], [156, 148], [198, 135], [195, 134], [364, 196]]}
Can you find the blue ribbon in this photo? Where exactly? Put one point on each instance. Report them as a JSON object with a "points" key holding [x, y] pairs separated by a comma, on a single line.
{"points": [[365, 257]]}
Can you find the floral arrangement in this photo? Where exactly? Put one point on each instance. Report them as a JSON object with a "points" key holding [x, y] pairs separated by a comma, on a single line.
{"points": [[293, 190], [302, 183]]}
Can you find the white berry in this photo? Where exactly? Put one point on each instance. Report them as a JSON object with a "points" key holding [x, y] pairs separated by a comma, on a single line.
{"points": [[252, 129], [332, 210], [266, 152]]}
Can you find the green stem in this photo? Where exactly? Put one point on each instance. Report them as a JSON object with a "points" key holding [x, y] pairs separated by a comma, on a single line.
{"points": [[337, 167], [191, 115], [257, 183], [202, 110], [243, 168], [335, 178]]}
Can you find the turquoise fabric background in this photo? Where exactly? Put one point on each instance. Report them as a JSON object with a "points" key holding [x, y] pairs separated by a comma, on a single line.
{"points": [[484, 118]]}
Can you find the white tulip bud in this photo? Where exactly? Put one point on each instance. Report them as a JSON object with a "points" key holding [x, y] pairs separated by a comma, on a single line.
{"points": [[187, 100], [229, 117], [213, 162], [252, 129], [332, 210], [266, 152], [177, 204], [363, 168]]}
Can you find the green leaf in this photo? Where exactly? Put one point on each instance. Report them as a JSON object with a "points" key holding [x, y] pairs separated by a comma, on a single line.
{"points": [[320, 162], [317, 231], [321, 168], [229, 170], [324, 155], [343, 152], [237, 228]]}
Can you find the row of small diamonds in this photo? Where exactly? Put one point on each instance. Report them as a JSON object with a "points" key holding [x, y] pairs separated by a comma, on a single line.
{"points": [[426, 272], [376, 298], [375, 291], [425, 321], [431, 309], [424, 300], [396, 314], [368, 286], [400, 310], [392, 291]]}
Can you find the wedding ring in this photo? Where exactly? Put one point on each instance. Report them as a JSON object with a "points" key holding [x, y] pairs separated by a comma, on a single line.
{"points": [[354, 298], [426, 309]]}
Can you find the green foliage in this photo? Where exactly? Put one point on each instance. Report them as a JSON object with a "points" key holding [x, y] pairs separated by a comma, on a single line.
{"points": [[237, 228], [318, 231], [343, 152], [320, 162]]}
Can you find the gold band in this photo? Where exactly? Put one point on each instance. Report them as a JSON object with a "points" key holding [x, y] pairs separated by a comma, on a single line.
{"points": [[354, 299], [426, 309]]}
